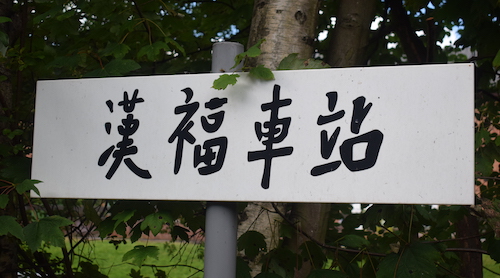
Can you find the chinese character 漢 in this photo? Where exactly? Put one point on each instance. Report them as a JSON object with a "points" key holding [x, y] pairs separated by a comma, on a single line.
{"points": [[277, 130], [125, 146]]}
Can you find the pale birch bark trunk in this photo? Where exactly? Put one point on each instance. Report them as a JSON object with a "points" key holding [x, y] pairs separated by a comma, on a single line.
{"points": [[288, 26]]}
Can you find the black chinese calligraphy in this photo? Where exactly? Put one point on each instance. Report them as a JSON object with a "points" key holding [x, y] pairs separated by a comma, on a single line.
{"points": [[125, 147], [182, 133], [212, 160], [373, 138], [277, 131], [214, 149]]}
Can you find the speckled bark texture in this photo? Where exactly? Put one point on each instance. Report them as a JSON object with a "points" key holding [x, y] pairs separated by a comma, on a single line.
{"points": [[287, 26]]}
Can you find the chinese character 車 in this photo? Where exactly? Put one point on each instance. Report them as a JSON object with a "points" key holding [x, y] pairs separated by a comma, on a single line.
{"points": [[277, 130]]}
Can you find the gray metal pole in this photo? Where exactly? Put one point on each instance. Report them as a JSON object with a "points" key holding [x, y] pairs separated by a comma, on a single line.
{"points": [[221, 218], [223, 54]]}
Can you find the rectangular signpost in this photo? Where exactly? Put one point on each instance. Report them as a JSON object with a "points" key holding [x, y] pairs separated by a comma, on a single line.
{"points": [[359, 135], [401, 134]]}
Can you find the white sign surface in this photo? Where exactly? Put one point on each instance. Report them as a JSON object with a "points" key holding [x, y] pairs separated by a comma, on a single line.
{"points": [[401, 134]]}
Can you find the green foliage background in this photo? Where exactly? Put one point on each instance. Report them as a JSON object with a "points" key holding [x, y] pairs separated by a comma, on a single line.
{"points": [[53, 39]]}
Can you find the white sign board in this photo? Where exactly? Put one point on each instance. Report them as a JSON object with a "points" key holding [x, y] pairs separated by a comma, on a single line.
{"points": [[401, 134]]}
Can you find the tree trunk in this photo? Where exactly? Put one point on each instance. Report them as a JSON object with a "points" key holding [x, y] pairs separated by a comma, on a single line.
{"points": [[288, 27], [472, 263], [349, 40], [311, 219], [413, 47], [259, 216]]}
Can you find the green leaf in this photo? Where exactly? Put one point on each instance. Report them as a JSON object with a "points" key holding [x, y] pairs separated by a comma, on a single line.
{"points": [[136, 233], [16, 169], [135, 273], [4, 39], [354, 241], [49, 14], [160, 274], [4, 19], [106, 227], [481, 137], [140, 253], [155, 222], [66, 15], [312, 252], [497, 141], [416, 260], [496, 60], [494, 249], [9, 225], [326, 273], [425, 212], [4, 200], [181, 232], [225, 80], [253, 51], [12, 133], [27, 185], [153, 51], [3, 78], [176, 45], [484, 162], [291, 62], [261, 72], [242, 269], [122, 217], [89, 270], [121, 229], [118, 50], [90, 212], [47, 230], [252, 242], [117, 67]]}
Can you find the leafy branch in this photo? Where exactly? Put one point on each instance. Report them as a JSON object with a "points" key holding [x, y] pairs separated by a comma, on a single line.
{"points": [[259, 72], [291, 62]]}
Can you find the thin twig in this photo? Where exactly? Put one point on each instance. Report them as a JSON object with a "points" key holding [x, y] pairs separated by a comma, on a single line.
{"points": [[488, 178], [449, 271], [172, 265], [326, 246], [494, 272], [472, 250]]}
